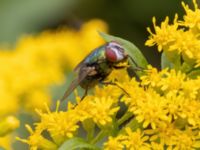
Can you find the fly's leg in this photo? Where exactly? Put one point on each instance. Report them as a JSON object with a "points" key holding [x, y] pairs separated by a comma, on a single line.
{"points": [[115, 84], [137, 68], [85, 94], [119, 67]]}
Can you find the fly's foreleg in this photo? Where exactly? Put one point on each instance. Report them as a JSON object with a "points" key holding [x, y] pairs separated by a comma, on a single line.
{"points": [[137, 68]]}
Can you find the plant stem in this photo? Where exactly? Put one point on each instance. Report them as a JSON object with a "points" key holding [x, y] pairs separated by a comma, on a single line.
{"points": [[99, 136], [90, 134], [125, 117]]}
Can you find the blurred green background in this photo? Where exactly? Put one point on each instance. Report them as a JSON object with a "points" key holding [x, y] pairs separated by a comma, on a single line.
{"points": [[126, 18]]}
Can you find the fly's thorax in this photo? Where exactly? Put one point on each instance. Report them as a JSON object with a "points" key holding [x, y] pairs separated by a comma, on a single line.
{"points": [[114, 52]]}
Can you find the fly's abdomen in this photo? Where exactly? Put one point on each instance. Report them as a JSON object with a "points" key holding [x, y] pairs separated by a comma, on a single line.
{"points": [[102, 70]]}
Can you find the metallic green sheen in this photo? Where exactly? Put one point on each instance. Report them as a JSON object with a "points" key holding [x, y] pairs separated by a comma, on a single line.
{"points": [[103, 67], [97, 54]]}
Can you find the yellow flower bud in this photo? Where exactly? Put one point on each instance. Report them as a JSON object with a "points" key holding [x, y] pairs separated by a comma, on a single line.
{"points": [[8, 124]]}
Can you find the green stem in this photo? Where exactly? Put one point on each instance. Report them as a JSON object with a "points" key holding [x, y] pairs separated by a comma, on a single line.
{"points": [[90, 134], [125, 117], [99, 136]]}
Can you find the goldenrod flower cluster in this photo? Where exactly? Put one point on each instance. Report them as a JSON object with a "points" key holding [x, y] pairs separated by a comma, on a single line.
{"points": [[176, 38], [165, 113], [158, 111], [37, 63]]}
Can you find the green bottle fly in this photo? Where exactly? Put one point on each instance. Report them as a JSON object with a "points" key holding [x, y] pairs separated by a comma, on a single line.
{"points": [[97, 66]]}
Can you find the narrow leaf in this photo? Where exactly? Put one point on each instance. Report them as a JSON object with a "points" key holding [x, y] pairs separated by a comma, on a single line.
{"points": [[165, 63], [171, 59], [77, 143]]}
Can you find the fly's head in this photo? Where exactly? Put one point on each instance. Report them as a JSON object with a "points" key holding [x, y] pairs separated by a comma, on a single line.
{"points": [[114, 52]]}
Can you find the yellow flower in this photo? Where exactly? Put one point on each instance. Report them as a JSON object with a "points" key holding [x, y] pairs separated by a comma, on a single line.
{"points": [[151, 109], [134, 93], [190, 88], [186, 139], [133, 140], [172, 81], [184, 45], [178, 36], [136, 140], [108, 91], [61, 125], [157, 146], [36, 141], [114, 143], [100, 109], [190, 110], [152, 76], [163, 97], [174, 138], [174, 105], [6, 141], [164, 35], [165, 81], [192, 17], [8, 124]]}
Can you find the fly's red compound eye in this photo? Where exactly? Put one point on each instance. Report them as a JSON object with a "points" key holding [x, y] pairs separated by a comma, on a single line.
{"points": [[114, 52]]}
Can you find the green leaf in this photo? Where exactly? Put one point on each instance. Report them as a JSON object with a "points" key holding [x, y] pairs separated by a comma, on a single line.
{"points": [[77, 143], [171, 59], [130, 48], [165, 63]]}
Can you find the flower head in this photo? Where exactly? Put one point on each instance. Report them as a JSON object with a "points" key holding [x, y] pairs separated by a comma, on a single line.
{"points": [[114, 143]]}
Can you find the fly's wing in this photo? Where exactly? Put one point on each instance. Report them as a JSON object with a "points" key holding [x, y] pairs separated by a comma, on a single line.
{"points": [[85, 71], [91, 54], [81, 64]]}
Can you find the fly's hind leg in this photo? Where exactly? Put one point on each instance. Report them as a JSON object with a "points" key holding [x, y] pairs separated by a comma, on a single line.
{"points": [[85, 94]]}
